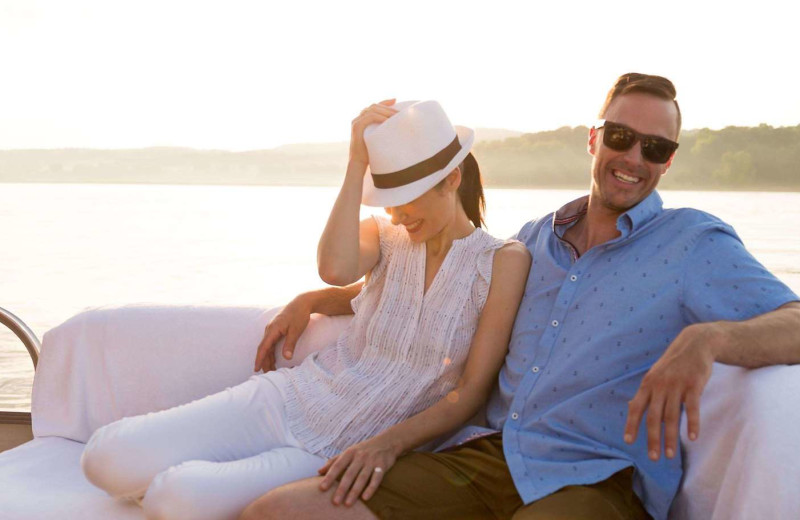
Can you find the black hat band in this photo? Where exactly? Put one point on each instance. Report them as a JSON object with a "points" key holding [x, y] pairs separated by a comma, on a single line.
{"points": [[418, 171]]}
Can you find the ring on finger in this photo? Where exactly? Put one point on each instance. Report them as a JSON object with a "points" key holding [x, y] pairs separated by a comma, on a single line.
{"points": [[378, 470]]}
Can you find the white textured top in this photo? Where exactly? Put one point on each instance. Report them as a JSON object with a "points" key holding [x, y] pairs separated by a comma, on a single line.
{"points": [[402, 352]]}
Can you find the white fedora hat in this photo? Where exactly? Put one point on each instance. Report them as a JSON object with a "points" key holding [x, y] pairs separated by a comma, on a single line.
{"points": [[411, 152]]}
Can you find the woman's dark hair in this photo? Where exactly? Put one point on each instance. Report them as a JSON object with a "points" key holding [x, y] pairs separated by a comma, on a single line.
{"points": [[471, 190]]}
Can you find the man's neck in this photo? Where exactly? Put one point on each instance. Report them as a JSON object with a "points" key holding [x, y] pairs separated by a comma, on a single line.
{"points": [[597, 227]]}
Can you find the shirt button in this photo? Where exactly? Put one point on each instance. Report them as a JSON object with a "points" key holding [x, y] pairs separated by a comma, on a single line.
{"points": [[554, 323], [515, 416], [573, 277], [535, 369]]}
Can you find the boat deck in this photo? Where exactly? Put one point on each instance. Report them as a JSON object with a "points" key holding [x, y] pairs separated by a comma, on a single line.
{"points": [[15, 429]]}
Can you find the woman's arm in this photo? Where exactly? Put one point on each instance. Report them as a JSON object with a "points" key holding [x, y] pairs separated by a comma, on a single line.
{"points": [[347, 248], [357, 464]]}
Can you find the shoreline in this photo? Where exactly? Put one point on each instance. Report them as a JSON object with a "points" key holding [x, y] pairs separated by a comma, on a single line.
{"points": [[565, 187]]}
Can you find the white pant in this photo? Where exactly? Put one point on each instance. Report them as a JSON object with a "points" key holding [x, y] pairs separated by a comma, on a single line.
{"points": [[204, 460]]}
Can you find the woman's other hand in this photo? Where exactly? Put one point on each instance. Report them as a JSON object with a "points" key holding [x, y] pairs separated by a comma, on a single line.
{"points": [[361, 468], [373, 114]]}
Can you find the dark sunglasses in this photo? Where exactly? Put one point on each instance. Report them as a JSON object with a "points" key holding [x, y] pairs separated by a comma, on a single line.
{"points": [[620, 138]]}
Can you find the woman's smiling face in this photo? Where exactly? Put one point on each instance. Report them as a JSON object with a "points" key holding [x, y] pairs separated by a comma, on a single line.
{"points": [[426, 216]]}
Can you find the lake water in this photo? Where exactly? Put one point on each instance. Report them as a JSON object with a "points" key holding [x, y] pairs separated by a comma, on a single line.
{"points": [[71, 246]]}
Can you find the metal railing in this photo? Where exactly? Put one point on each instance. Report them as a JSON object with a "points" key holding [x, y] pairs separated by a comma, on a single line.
{"points": [[23, 332]]}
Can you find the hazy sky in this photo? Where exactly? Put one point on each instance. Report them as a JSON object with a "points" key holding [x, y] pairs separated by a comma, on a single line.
{"points": [[245, 75]]}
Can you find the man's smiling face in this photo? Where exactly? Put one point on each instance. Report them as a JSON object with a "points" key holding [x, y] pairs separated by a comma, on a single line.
{"points": [[620, 180]]}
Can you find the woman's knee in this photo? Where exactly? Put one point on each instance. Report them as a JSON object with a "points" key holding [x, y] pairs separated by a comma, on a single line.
{"points": [[105, 463]]}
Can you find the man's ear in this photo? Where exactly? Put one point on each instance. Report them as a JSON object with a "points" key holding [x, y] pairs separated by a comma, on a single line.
{"points": [[591, 146], [668, 163]]}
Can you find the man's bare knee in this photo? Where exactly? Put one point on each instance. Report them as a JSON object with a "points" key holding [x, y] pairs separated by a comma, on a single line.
{"points": [[302, 499], [271, 505]]}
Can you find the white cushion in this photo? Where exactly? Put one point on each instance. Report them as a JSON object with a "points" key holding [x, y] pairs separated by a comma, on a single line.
{"points": [[42, 480]]}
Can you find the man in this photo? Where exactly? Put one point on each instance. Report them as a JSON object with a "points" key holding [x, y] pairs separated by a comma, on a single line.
{"points": [[626, 309]]}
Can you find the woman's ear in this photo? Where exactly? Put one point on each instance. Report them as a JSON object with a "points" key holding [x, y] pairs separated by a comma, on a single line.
{"points": [[453, 179]]}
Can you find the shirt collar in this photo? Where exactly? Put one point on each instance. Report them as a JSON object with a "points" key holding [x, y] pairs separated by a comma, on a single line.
{"points": [[630, 221], [570, 213], [639, 215]]}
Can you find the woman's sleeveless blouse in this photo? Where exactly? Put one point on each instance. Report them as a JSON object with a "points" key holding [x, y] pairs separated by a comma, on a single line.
{"points": [[402, 352]]}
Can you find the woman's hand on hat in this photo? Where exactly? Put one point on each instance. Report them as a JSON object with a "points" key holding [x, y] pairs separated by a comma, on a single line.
{"points": [[373, 114], [360, 469]]}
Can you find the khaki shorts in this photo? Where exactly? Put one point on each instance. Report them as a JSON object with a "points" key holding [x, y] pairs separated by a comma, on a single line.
{"points": [[472, 481]]}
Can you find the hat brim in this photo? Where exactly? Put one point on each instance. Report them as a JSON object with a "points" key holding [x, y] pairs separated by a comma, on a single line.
{"points": [[389, 197]]}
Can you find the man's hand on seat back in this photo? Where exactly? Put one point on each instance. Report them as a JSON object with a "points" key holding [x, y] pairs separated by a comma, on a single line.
{"points": [[678, 377], [292, 320], [289, 323]]}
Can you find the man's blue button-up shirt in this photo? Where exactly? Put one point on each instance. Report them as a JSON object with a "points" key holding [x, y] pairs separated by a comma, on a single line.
{"points": [[590, 327]]}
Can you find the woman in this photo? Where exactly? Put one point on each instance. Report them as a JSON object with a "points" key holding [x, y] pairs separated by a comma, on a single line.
{"points": [[429, 335]]}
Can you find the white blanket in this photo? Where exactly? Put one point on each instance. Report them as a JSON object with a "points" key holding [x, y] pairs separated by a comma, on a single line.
{"points": [[110, 363], [746, 462]]}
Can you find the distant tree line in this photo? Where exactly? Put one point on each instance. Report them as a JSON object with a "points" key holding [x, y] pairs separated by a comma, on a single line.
{"points": [[753, 158], [301, 165], [746, 158]]}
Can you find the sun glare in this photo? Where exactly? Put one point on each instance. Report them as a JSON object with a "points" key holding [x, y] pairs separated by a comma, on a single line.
{"points": [[248, 75]]}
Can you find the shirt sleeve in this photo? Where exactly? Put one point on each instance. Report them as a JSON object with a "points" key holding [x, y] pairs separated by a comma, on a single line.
{"points": [[723, 281], [525, 232]]}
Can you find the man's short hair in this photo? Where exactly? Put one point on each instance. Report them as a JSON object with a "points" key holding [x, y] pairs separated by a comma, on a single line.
{"points": [[635, 82]]}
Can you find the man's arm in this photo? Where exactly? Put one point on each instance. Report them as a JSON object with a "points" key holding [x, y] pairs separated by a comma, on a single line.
{"points": [[331, 301], [770, 339], [293, 320], [726, 292], [681, 374]]}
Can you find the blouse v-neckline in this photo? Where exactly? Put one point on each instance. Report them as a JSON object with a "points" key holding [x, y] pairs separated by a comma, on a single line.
{"points": [[424, 248]]}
